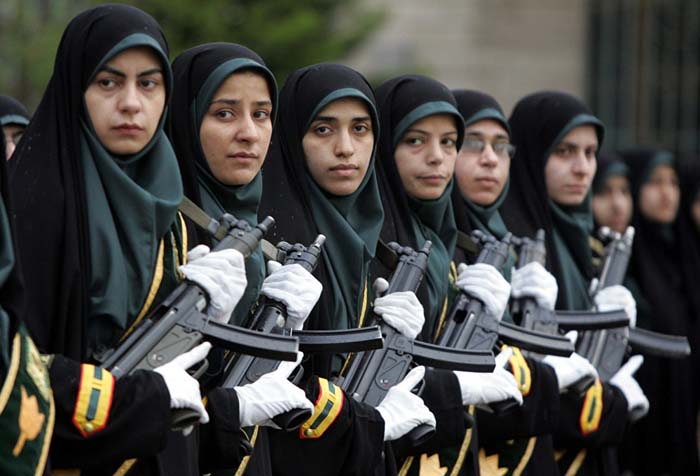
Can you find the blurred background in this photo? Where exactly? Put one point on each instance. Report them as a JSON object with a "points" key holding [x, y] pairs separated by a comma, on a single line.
{"points": [[636, 62]]}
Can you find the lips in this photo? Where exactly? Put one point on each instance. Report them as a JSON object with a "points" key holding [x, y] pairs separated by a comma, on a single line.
{"points": [[340, 167], [243, 155], [487, 180], [128, 129]]}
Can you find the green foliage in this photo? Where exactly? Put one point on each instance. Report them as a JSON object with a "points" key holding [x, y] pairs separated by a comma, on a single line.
{"points": [[288, 34]]}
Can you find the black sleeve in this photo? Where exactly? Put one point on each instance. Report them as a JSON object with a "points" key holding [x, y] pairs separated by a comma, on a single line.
{"points": [[610, 428], [136, 426], [222, 444], [351, 446], [442, 395], [538, 415]]}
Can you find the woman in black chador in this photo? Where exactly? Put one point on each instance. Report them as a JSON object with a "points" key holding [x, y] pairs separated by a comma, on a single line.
{"points": [[95, 188], [319, 178], [663, 274], [557, 139]]}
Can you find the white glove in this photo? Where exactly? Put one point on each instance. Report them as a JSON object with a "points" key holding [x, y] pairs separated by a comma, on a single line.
{"points": [[571, 369], [271, 395], [183, 388], [295, 287], [402, 310], [617, 297], [482, 388], [486, 284], [532, 280], [221, 274], [637, 402], [402, 410]]}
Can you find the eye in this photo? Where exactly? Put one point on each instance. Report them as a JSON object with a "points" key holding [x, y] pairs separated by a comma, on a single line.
{"points": [[414, 141], [106, 83], [591, 153], [564, 151], [322, 130], [148, 84], [224, 114], [261, 114], [361, 128], [448, 142]]}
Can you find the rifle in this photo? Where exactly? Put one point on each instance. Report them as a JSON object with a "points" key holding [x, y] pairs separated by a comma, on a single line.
{"points": [[180, 323], [606, 349], [532, 316], [470, 327], [370, 375]]}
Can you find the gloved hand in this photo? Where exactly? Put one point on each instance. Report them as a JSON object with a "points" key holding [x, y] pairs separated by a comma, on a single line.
{"points": [[571, 369], [532, 280], [183, 388], [221, 274], [271, 395], [637, 402], [400, 310], [482, 388], [486, 284], [617, 297], [295, 287], [402, 410]]}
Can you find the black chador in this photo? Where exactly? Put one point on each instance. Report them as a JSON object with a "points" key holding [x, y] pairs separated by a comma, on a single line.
{"points": [[586, 438], [99, 242], [519, 440], [663, 277], [347, 438], [410, 222]]}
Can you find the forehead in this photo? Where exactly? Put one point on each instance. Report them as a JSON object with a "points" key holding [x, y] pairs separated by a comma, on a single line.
{"points": [[582, 136], [241, 82], [345, 107], [617, 181], [137, 58], [662, 171], [440, 123], [486, 127]]}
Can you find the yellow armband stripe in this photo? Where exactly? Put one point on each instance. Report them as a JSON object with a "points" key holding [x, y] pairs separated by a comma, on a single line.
{"points": [[94, 400], [521, 371], [592, 409], [327, 408]]}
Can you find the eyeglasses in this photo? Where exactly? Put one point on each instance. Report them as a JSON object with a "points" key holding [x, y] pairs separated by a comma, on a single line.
{"points": [[477, 146]]}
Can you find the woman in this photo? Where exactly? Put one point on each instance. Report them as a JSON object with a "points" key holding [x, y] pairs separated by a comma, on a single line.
{"points": [[224, 107], [664, 441], [97, 172], [422, 134], [557, 140], [612, 200], [14, 118], [319, 178]]}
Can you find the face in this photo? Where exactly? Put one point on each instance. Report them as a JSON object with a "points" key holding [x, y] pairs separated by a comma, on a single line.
{"points": [[659, 197], [571, 166], [13, 133], [236, 129], [483, 162], [126, 99], [612, 207], [338, 146], [425, 156]]}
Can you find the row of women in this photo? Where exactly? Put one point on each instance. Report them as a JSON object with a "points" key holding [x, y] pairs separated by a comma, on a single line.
{"points": [[93, 239]]}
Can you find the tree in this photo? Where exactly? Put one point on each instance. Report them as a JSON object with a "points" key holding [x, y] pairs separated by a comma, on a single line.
{"points": [[288, 34]]}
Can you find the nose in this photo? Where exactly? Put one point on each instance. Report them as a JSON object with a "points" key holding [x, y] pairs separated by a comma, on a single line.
{"points": [[435, 153], [581, 164], [248, 132], [343, 145], [488, 157], [130, 98]]}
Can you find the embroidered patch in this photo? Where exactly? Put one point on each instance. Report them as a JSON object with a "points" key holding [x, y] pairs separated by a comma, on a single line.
{"points": [[327, 408], [94, 400], [592, 409]]}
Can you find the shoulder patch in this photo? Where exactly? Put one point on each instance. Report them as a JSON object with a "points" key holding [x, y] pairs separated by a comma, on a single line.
{"points": [[94, 402], [328, 406], [521, 371], [592, 409]]}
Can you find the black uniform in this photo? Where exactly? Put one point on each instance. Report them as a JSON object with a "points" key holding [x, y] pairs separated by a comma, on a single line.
{"points": [[586, 435], [346, 438]]}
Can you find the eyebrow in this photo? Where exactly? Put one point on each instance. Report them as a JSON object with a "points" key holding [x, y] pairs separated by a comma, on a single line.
{"points": [[576, 146], [420, 131], [335, 119], [233, 102], [121, 74], [481, 134]]}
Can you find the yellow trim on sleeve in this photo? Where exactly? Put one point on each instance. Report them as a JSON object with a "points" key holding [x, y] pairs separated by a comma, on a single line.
{"points": [[464, 448], [577, 463], [592, 409], [183, 232], [526, 456], [246, 459], [94, 402], [327, 408], [521, 371]]}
